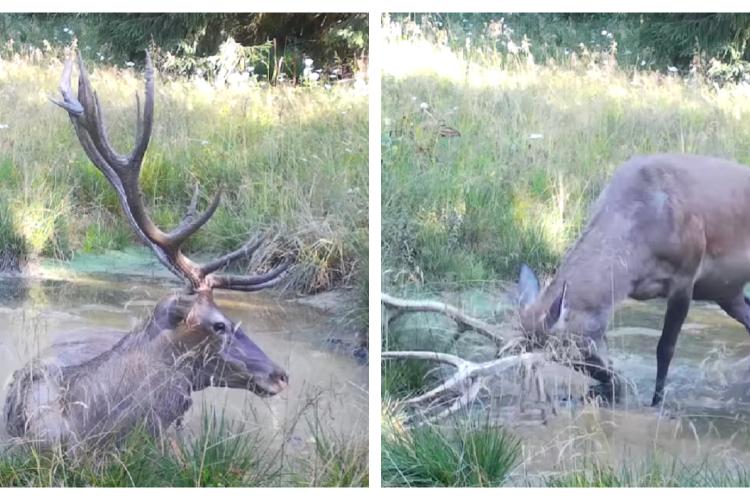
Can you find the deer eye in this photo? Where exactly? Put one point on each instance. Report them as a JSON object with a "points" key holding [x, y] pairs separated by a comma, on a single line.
{"points": [[219, 327]]}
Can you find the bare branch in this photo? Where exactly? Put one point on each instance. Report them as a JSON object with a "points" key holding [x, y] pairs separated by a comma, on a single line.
{"points": [[463, 387], [464, 321]]}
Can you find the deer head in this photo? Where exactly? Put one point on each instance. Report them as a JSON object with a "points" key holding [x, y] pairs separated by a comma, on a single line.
{"points": [[215, 349], [537, 318], [218, 350], [555, 310]]}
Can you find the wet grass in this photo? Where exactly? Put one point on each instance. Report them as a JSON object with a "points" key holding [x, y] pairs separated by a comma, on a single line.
{"points": [[292, 162], [468, 454], [222, 453]]}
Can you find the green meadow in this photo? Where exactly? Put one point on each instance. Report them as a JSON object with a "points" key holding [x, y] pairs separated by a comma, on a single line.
{"points": [[292, 162]]}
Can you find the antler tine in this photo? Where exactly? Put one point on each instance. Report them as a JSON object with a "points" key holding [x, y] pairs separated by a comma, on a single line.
{"points": [[145, 122], [95, 121], [69, 102], [242, 282], [249, 283], [190, 224], [244, 252]]}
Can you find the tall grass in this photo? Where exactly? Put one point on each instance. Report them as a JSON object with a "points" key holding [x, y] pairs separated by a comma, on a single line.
{"points": [[538, 141], [467, 454], [655, 472], [292, 161], [221, 453]]}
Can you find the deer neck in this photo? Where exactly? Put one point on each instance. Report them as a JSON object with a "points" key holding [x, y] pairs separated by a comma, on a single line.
{"points": [[596, 272], [140, 381]]}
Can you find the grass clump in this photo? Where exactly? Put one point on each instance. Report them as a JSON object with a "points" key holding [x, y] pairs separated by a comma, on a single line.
{"points": [[467, 454], [13, 248], [221, 453], [338, 461]]}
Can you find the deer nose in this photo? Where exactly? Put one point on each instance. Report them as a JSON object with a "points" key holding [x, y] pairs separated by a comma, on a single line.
{"points": [[280, 378]]}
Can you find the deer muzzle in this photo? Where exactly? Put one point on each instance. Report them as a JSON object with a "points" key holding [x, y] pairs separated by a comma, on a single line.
{"points": [[246, 366]]}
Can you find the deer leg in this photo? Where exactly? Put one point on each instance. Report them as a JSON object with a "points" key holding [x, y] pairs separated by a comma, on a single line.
{"points": [[596, 365], [609, 385], [738, 308], [677, 309]]}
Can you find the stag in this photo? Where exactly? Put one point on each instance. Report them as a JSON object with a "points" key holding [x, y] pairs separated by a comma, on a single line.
{"points": [[667, 226], [98, 391]]}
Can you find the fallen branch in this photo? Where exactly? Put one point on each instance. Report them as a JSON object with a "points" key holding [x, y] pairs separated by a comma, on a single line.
{"points": [[464, 385], [464, 321]]}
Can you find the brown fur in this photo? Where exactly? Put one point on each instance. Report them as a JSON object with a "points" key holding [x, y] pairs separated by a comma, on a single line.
{"points": [[670, 226]]}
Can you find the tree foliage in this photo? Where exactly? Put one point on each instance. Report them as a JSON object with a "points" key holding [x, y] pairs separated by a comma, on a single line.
{"points": [[662, 40], [330, 39]]}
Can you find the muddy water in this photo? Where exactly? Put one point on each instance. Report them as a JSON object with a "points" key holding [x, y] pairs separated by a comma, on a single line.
{"points": [[705, 417], [327, 386], [706, 412]]}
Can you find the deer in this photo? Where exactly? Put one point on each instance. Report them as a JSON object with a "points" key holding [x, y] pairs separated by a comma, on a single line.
{"points": [[96, 392], [668, 226]]}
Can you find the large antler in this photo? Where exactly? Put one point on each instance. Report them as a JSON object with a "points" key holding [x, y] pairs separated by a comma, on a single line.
{"points": [[123, 172]]}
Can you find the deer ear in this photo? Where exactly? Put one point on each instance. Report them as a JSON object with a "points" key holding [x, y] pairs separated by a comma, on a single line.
{"points": [[172, 310], [556, 310], [528, 286]]}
